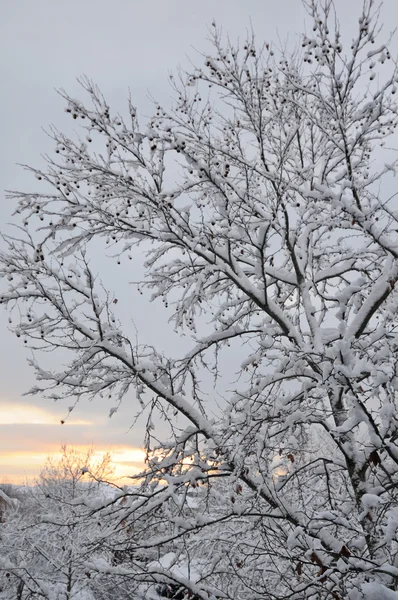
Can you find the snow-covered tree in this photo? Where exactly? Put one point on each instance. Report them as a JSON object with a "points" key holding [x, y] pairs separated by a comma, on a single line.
{"points": [[266, 210], [47, 537]]}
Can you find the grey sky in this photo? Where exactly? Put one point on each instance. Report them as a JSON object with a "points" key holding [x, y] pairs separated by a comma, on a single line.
{"points": [[47, 44]]}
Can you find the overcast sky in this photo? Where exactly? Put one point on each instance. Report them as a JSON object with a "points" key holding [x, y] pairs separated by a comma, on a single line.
{"points": [[121, 44]]}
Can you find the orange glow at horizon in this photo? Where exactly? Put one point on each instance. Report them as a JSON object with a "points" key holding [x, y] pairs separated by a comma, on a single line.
{"points": [[24, 450], [23, 467]]}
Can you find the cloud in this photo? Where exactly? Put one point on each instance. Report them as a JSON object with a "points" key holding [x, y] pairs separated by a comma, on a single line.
{"points": [[21, 414], [48, 438]]}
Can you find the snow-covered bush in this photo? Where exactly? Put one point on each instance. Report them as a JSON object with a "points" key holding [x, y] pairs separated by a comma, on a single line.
{"points": [[48, 537]]}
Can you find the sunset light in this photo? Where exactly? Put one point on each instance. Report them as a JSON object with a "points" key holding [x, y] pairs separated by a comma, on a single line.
{"points": [[22, 467], [29, 434]]}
